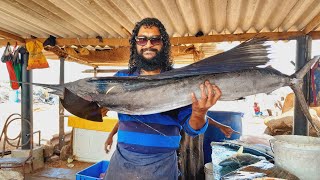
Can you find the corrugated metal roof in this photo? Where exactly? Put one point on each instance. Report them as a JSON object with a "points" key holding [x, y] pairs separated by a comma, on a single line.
{"points": [[114, 18], [182, 18]]}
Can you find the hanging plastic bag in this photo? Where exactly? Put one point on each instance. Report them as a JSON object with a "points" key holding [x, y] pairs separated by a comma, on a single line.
{"points": [[84, 51], [71, 51], [36, 58], [7, 55], [51, 41], [7, 58]]}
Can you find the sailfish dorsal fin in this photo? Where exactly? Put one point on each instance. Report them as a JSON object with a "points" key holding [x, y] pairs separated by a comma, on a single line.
{"points": [[246, 55]]}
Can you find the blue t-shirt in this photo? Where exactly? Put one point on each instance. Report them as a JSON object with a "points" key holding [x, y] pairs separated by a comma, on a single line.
{"points": [[154, 133]]}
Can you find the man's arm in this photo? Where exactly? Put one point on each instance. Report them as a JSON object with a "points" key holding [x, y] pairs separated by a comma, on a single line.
{"points": [[226, 130], [209, 96], [109, 141]]}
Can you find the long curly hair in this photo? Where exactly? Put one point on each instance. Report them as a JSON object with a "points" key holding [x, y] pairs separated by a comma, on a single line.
{"points": [[167, 65]]}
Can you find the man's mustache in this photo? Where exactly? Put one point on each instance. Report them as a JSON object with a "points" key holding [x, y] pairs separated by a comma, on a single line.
{"points": [[148, 49]]}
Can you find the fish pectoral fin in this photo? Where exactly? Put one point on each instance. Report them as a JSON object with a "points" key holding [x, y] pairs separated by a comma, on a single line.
{"points": [[305, 107], [80, 107], [109, 90]]}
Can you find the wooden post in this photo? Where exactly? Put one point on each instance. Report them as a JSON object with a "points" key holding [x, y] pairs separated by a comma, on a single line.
{"points": [[61, 108], [300, 122], [95, 72]]}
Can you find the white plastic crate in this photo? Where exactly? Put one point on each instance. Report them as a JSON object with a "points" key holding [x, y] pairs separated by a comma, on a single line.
{"points": [[88, 145]]}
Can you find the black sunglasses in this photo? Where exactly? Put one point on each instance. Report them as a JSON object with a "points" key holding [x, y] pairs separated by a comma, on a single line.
{"points": [[143, 40]]}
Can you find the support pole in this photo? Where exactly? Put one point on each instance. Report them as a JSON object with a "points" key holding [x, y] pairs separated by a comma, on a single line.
{"points": [[61, 108], [95, 72], [26, 100], [300, 122]]}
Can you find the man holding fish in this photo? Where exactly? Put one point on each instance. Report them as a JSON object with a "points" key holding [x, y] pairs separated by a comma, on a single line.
{"points": [[147, 144], [190, 152]]}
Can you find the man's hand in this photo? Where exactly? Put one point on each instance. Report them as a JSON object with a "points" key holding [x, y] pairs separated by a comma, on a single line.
{"points": [[209, 96], [227, 131], [104, 111], [108, 144], [109, 141]]}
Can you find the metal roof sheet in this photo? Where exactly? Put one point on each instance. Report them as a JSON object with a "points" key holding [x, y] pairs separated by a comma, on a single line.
{"points": [[79, 22], [115, 18]]}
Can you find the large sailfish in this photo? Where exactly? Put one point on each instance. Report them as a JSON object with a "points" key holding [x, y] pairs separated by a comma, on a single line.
{"points": [[235, 72]]}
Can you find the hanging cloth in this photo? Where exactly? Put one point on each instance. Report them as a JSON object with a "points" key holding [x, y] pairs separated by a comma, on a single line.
{"points": [[7, 58], [36, 58], [17, 66], [14, 85]]}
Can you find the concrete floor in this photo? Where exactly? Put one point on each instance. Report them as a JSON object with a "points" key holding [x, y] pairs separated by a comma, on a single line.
{"points": [[57, 171], [53, 173], [43, 174]]}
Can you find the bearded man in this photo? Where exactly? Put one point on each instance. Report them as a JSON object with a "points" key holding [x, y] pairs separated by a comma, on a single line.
{"points": [[147, 144]]}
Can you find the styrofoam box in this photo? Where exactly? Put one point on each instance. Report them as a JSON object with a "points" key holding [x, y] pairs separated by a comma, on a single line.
{"points": [[88, 145]]}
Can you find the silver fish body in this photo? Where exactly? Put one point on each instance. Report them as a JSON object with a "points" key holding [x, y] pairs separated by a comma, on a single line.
{"points": [[138, 97]]}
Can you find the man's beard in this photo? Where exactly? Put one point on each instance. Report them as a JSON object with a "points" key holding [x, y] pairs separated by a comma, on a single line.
{"points": [[157, 62]]}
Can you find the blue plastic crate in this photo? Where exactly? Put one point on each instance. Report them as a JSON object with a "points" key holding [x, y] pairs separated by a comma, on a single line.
{"points": [[93, 172]]}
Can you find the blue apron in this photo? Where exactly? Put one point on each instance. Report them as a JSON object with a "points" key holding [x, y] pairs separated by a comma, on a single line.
{"points": [[127, 165]]}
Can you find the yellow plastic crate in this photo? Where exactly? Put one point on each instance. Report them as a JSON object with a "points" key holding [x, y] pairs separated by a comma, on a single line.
{"points": [[106, 126]]}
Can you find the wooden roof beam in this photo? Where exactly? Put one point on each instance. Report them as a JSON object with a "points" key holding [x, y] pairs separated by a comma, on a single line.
{"points": [[80, 61], [11, 36], [110, 64], [273, 36], [312, 24], [100, 71]]}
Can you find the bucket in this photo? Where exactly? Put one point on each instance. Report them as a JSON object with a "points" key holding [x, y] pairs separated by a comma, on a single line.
{"points": [[300, 155], [208, 171], [229, 118]]}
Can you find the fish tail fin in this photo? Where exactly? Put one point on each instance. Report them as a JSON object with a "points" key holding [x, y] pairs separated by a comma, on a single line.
{"points": [[296, 82], [303, 71], [304, 106]]}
